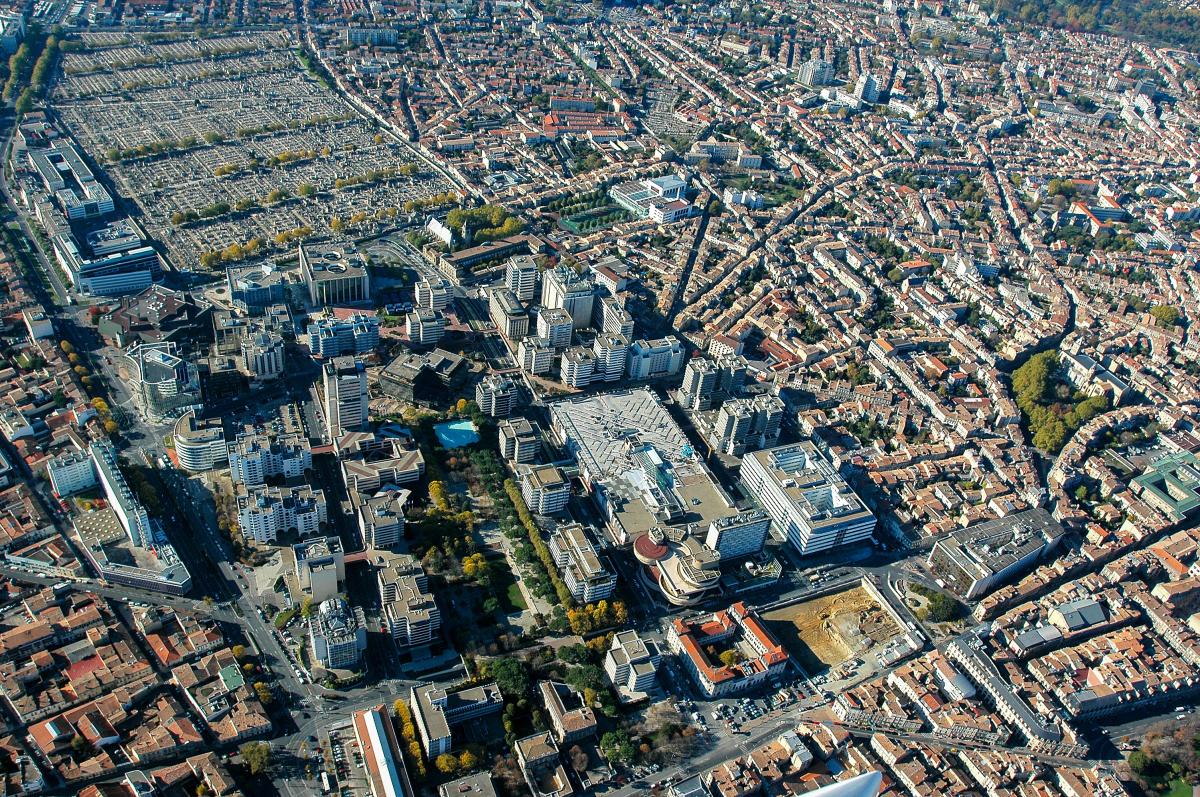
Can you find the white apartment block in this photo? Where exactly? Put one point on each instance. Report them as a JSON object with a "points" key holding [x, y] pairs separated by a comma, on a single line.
{"points": [[535, 355], [254, 458], [662, 357], [545, 489], [738, 535], [583, 572], [265, 512]]}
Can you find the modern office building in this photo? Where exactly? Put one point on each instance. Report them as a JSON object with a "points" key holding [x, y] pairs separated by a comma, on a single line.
{"points": [[612, 352], [254, 458], [111, 262], [412, 614], [506, 310], [265, 512], [521, 277], [425, 377], [435, 710], [678, 564], [535, 355], [381, 518], [555, 324], [639, 196], [583, 572], [119, 540], [425, 327], [320, 567], [653, 358], [545, 489], [334, 274], [519, 442], [332, 337], [806, 497], [66, 176], [254, 287], [496, 395], [345, 396], [691, 639], [199, 445], [157, 315], [975, 560], [338, 635], [159, 379], [738, 535], [577, 367], [563, 288]]}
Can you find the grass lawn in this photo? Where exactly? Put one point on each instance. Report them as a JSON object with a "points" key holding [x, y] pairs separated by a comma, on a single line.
{"points": [[282, 618], [1180, 788], [507, 589]]}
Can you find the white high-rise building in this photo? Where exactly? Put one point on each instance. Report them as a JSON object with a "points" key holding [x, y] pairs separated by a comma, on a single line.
{"points": [[71, 473], [545, 489], [555, 324], [263, 356], [345, 396], [521, 277], [577, 367], [565, 289], [699, 382], [432, 295], [613, 317], [806, 497], [535, 355], [518, 440], [266, 512], [662, 357], [496, 395], [816, 72], [867, 88], [583, 572], [330, 337], [612, 352], [124, 503]]}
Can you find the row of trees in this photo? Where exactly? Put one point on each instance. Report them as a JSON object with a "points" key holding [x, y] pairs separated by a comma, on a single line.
{"points": [[161, 147], [539, 545], [412, 747], [234, 253], [433, 202]]}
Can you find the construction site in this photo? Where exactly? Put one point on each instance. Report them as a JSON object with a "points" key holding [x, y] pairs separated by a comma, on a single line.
{"points": [[823, 632]]}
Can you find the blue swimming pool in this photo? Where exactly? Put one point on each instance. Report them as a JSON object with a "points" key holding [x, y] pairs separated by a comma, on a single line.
{"points": [[456, 433]]}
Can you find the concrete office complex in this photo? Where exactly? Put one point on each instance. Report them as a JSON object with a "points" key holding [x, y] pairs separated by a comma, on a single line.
{"points": [[739, 535], [653, 358], [737, 627], [976, 560], [112, 262], [699, 383], [345, 396], [639, 197], [555, 324], [200, 445], [435, 710], [74, 187], [519, 442], [263, 356], [545, 489], [806, 498], [1171, 485], [331, 337], [506, 310], [496, 395], [71, 472], [432, 295], [160, 379], [637, 463], [334, 274], [337, 634], [584, 574], [320, 568], [613, 317], [120, 541], [254, 287], [428, 377], [412, 614], [521, 277], [371, 461], [677, 564], [564, 289]]}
